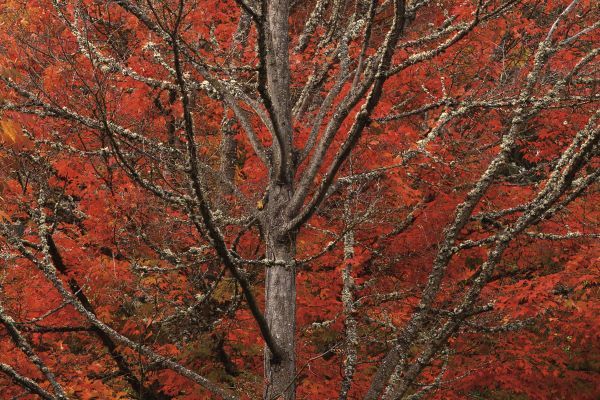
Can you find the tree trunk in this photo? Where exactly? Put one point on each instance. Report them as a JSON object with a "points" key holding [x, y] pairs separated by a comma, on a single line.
{"points": [[280, 300], [280, 285]]}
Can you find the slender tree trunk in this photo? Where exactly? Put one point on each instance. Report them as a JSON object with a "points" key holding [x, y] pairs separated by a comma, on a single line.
{"points": [[280, 299], [280, 285]]}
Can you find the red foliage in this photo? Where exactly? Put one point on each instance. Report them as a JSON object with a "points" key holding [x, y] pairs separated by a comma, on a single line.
{"points": [[550, 285]]}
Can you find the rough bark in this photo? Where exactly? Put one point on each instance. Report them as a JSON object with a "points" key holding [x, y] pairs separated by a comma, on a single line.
{"points": [[280, 300], [275, 56], [280, 285]]}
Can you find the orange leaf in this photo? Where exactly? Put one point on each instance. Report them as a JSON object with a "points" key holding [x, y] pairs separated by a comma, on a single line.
{"points": [[9, 131]]}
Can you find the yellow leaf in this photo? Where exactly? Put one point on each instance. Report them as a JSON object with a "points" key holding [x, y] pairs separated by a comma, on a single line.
{"points": [[9, 130], [224, 290]]}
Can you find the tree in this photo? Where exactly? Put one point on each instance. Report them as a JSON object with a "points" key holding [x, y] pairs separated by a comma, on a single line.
{"points": [[162, 153]]}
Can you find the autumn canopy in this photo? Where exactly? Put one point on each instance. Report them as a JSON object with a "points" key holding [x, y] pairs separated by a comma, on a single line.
{"points": [[309, 199]]}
